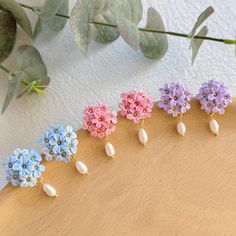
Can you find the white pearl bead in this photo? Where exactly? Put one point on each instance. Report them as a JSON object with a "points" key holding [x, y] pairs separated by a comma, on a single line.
{"points": [[81, 167], [214, 127], [110, 150], [142, 135], [49, 190], [181, 128]]}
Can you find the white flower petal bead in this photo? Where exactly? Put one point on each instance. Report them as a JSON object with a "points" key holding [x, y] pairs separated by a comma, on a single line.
{"points": [[49, 190], [81, 167], [214, 127], [142, 135], [110, 151], [181, 128]]}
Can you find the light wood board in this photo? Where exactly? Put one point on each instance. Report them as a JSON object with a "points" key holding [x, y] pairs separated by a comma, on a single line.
{"points": [[173, 186]]}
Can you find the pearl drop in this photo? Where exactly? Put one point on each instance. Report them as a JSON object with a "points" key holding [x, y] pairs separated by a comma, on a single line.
{"points": [[110, 151], [214, 127], [142, 135], [81, 167], [49, 190], [181, 128]]}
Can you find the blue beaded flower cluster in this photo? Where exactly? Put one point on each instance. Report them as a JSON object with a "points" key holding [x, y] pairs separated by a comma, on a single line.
{"points": [[24, 168], [59, 143]]}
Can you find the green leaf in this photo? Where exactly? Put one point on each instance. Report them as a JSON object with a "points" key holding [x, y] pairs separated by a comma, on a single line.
{"points": [[105, 12], [131, 10], [49, 9], [198, 42], [80, 23], [57, 23], [38, 28], [7, 34], [13, 82], [47, 16], [129, 32], [203, 16], [153, 45], [19, 14], [29, 61], [129, 14]]}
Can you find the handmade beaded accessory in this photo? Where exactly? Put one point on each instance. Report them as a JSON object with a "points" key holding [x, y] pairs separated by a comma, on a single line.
{"points": [[137, 106]]}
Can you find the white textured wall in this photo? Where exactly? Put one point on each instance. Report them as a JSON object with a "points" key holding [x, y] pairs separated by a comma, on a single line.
{"points": [[111, 69]]}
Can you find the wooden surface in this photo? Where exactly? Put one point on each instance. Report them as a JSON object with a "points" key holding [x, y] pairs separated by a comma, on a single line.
{"points": [[173, 186]]}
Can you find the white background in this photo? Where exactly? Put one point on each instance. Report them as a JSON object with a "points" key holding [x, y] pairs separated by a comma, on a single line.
{"points": [[109, 70]]}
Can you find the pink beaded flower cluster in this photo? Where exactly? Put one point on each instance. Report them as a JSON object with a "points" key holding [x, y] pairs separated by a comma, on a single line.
{"points": [[99, 120], [136, 105]]}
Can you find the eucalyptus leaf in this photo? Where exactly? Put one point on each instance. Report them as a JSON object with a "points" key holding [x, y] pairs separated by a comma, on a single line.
{"points": [[203, 16], [131, 10], [129, 32], [198, 42], [19, 14], [47, 16], [29, 61], [13, 82], [57, 23], [7, 34], [129, 14], [80, 23], [49, 9], [153, 45], [38, 28], [105, 12]]}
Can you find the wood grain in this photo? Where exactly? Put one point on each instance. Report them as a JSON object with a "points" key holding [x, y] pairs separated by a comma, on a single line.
{"points": [[173, 186]]}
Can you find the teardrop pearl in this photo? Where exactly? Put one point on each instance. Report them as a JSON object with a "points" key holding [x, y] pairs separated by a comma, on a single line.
{"points": [[214, 127], [181, 128], [49, 190], [81, 167], [142, 135], [110, 151]]}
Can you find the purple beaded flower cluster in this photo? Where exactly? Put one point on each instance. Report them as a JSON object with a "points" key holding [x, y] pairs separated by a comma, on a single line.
{"points": [[174, 99], [214, 97]]}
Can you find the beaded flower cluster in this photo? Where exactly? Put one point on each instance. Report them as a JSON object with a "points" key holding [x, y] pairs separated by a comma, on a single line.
{"points": [[214, 97], [99, 120], [136, 105], [59, 143], [24, 168], [174, 99]]}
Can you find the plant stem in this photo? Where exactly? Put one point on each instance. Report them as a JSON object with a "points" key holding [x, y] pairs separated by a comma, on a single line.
{"points": [[225, 41], [5, 69]]}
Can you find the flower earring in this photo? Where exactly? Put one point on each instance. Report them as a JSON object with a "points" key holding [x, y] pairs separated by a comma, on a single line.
{"points": [[100, 121], [214, 97], [24, 169], [175, 101], [137, 106], [61, 144]]}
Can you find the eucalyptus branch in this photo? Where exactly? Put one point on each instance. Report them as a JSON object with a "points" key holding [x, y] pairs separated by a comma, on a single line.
{"points": [[5, 69], [225, 41]]}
